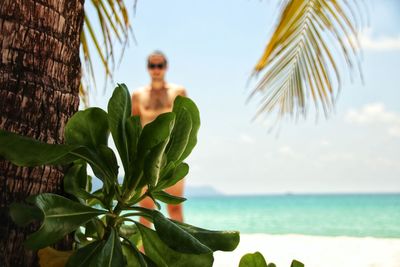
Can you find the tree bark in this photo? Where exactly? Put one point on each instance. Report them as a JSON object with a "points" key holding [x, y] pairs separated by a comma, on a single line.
{"points": [[39, 83]]}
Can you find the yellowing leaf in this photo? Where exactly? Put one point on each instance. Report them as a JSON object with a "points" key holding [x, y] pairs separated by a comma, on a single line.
{"points": [[300, 61], [50, 257]]}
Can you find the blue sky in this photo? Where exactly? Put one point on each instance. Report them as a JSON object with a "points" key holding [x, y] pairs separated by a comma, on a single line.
{"points": [[212, 47]]}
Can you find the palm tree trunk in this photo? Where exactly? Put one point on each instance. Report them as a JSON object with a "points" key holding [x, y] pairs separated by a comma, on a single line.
{"points": [[39, 83]]}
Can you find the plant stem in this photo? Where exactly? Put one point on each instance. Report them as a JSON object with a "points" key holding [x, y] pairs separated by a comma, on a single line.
{"points": [[134, 214], [121, 204]]}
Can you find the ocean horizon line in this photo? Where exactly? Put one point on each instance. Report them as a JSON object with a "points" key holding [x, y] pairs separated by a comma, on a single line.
{"points": [[221, 194]]}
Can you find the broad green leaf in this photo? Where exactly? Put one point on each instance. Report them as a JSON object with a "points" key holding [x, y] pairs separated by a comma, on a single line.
{"points": [[167, 198], [296, 263], [23, 214], [111, 253], [90, 228], [135, 258], [253, 260], [156, 132], [152, 164], [104, 253], [180, 134], [132, 256], [89, 183], [131, 232], [119, 110], [85, 256], [164, 256], [61, 216], [167, 170], [88, 128], [103, 163], [80, 238], [91, 231], [76, 180], [172, 178], [134, 196], [25, 151], [128, 230], [183, 103], [153, 134], [133, 132], [215, 240], [100, 195], [94, 228], [148, 261], [175, 237], [109, 160], [109, 196]]}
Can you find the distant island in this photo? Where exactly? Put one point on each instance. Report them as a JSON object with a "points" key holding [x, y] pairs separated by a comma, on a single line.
{"points": [[190, 191], [201, 191]]}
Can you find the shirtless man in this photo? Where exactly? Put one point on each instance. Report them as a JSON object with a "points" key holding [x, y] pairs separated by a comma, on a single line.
{"points": [[150, 101]]}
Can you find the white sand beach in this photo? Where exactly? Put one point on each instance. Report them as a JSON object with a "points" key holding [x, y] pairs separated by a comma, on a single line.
{"points": [[316, 251]]}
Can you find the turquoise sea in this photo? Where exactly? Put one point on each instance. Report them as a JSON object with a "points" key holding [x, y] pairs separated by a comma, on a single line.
{"points": [[375, 215]]}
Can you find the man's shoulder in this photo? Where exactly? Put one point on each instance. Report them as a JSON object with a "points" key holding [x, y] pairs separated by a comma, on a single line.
{"points": [[140, 90], [176, 87]]}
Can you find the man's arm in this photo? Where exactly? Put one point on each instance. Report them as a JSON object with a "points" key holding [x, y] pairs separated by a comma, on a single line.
{"points": [[135, 104], [181, 91]]}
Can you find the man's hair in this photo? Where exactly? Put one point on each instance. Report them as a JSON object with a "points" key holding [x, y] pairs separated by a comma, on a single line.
{"points": [[157, 53]]}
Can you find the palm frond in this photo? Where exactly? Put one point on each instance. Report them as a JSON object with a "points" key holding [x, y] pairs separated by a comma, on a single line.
{"points": [[113, 20], [301, 62]]}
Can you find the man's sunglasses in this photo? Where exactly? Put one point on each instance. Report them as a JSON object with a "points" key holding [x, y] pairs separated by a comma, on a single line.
{"points": [[156, 66]]}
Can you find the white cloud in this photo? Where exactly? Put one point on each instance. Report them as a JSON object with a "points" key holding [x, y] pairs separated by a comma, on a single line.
{"points": [[394, 131], [373, 114], [337, 156], [379, 162], [247, 139], [382, 43], [287, 151], [325, 142]]}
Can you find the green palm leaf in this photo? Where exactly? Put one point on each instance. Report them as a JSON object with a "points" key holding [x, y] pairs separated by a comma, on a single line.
{"points": [[302, 59], [113, 20]]}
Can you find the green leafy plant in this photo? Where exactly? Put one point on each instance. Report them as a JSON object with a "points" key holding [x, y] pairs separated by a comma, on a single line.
{"points": [[105, 222], [257, 260]]}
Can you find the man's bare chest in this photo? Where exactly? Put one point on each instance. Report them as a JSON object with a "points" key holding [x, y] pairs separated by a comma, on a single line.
{"points": [[155, 103], [156, 100]]}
